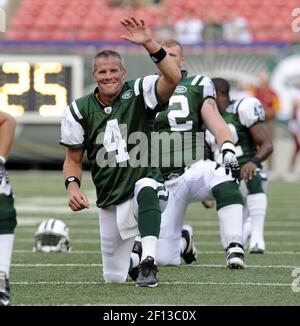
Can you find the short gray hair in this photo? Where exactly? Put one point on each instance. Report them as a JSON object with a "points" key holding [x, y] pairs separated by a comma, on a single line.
{"points": [[109, 54]]}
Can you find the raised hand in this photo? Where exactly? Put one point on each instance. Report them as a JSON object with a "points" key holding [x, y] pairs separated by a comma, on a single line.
{"points": [[138, 32]]}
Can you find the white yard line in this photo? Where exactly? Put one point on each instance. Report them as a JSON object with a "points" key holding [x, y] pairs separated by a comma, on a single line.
{"points": [[35, 221], [31, 240], [56, 265], [204, 252], [205, 233], [267, 224], [197, 243], [187, 266], [50, 209], [70, 252], [164, 283], [247, 266]]}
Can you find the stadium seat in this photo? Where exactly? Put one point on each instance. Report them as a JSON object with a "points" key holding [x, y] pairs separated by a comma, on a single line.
{"points": [[96, 15]]}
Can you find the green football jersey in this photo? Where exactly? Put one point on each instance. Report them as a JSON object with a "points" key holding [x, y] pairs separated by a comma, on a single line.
{"points": [[181, 123], [7, 210], [112, 137], [240, 115], [8, 220]]}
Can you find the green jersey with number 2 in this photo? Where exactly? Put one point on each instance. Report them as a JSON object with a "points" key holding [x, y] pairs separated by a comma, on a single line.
{"points": [[183, 116]]}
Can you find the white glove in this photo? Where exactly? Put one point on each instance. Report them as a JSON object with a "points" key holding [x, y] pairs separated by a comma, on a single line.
{"points": [[230, 160]]}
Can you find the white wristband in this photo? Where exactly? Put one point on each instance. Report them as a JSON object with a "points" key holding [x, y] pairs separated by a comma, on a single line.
{"points": [[228, 146], [2, 159]]}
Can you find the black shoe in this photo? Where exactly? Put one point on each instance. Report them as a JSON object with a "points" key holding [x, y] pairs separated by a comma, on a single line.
{"points": [[4, 290], [235, 256], [147, 273], [190, 253], [137, 249]]}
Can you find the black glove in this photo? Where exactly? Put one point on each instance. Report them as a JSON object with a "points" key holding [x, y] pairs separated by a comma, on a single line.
{"points": [[230, 160]]}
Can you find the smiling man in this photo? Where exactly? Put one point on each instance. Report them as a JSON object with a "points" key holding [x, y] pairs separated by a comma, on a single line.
{"points": [[129, 197]]}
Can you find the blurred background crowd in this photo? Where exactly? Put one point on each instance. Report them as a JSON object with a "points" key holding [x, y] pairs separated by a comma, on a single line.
{"points": [[189, 21]]}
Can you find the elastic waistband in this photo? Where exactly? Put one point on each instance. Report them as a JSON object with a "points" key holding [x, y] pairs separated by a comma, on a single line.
{"points": [[176, 174]]}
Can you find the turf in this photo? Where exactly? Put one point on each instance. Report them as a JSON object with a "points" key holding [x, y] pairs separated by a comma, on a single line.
{"points": [[75, 278]]}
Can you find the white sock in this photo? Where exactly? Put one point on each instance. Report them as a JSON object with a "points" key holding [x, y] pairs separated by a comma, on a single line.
{"points": [[246, 232], [183, 245], [149, 247], [222, 235], [138, 238], [135, 258], [231, 221], [246, 224], [257, 206], [6, 248]]}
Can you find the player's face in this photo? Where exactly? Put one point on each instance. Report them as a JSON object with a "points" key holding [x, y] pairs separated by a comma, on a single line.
{"points": [[109, 75], [175, 53]]}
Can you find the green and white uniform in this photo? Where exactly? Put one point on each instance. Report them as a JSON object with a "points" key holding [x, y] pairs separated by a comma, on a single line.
{"points": [[198, 182], [109, 135], [105, 132], [183, 117], [240, 116], [8, 219], [8, 222]]}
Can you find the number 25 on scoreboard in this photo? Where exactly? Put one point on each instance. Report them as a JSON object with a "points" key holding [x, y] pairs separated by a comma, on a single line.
{"points": [[23, 83]]}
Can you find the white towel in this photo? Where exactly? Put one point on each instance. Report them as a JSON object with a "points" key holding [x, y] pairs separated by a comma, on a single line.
{"points": [[127, 224]]}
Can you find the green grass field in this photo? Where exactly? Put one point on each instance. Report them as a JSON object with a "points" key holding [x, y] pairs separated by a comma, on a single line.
{"points": [[75, 278]]}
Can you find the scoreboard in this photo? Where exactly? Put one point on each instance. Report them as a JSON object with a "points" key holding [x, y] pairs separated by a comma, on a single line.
{"points": [[35, 89], [39, 86]]}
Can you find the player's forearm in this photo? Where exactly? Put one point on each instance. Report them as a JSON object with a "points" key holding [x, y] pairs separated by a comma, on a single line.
{"points": [[215, 122], [169, 71], [223, 135], [166, 66], [264, 151], [7, 133], [263, 142], [72, 168], [152, 46]]}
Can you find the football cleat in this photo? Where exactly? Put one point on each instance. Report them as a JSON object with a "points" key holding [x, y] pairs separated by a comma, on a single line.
{"points": [[147, 273], [235, 256], [137, 249], [190, 253], [257, 247], [4, 290]]}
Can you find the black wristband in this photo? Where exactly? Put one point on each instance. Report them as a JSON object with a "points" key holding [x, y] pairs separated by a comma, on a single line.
{"points": [[255, 160], [70, 179], [158, 56]]}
